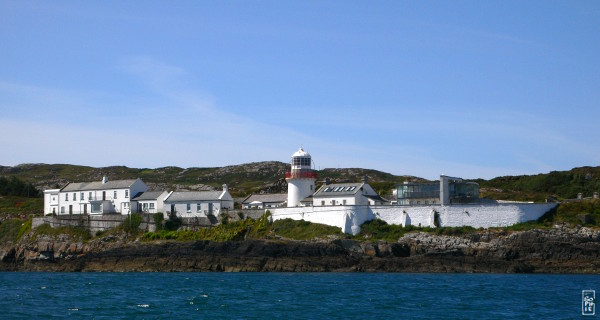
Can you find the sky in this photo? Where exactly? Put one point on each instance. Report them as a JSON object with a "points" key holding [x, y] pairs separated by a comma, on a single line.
{"points": [[474, 89]]}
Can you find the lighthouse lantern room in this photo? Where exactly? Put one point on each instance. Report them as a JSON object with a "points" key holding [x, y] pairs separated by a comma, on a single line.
{"points": [[301, 178]]}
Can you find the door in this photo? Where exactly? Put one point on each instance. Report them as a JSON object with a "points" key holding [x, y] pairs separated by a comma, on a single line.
{"points": [[173, 209], [103, 195], [85, 209], [70, 209]]}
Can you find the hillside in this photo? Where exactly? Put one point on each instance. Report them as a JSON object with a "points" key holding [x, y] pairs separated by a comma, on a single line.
{"points": [[557, 184], [242, 179], [268, 177]]}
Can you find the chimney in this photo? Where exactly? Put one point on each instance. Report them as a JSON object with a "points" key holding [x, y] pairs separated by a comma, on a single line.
{"points": [[596, 195], [365, 180], [580, 196], [104, 179], [327, 181], [225, 188]]}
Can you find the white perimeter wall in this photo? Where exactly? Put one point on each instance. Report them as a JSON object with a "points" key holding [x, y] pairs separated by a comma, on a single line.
{"points": [[349, 218]]}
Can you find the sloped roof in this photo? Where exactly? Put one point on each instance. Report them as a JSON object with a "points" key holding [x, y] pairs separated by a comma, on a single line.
{"points": [[273, 197], [338, 189], [148, 195], [98, 185], [193, 196], [377, 197]]}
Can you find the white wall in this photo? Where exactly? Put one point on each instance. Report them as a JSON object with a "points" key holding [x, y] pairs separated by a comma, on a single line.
{"points": [[181, 208], [299, 189], [349, 218], [51, 201]]}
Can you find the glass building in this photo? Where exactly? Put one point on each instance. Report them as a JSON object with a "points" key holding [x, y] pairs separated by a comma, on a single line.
{"points": [[424, 193]]}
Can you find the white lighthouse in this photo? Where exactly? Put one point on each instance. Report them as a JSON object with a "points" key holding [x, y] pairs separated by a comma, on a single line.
{"points": [[301, 178]]}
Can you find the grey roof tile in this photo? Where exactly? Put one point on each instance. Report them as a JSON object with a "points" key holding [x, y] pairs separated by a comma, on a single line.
{"points": [[148, 195], [193, 196], [273, 197], [98, 185]]}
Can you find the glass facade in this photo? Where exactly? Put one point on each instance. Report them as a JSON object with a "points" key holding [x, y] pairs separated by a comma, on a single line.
{"points": [[423, 193]]}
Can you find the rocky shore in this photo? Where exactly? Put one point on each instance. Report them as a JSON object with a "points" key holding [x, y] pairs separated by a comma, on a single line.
{"points": [[556, 250]]}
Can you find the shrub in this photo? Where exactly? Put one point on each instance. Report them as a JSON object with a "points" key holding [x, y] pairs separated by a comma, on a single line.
{"points": [[158, 220], [173, 223], [132, 224]]}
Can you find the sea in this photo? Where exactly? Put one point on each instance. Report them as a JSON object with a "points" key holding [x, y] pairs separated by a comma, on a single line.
{"points": [[40, 295]]}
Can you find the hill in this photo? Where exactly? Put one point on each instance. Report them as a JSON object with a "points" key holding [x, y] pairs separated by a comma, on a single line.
{"points": [[242, 179], [269, 176]]}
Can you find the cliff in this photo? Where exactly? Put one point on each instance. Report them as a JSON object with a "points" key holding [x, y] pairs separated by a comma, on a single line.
{"points": [[556, 250]]}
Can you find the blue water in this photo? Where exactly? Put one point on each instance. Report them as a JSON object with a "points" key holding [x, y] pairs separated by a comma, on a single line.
{"points": [[291, 295]]}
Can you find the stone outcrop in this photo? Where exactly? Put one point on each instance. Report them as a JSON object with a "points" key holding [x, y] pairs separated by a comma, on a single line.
{"points": [[557, 250]]}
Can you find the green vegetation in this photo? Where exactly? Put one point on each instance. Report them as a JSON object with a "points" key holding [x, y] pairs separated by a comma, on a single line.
{"points": [[173, 223], [303, 230], [14, 206], [74, 233], [15, 187], [10, 230], [250, 229], [158, 220], [132, 224], [558, 184]]}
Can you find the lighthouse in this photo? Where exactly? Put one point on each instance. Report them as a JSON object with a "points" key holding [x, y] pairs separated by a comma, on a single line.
{"points": [[301, 178]]}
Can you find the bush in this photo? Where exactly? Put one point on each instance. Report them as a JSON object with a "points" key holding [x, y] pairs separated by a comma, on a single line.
{"points": [[74, 233], [173, 223], [132, 224], [158, 220]]}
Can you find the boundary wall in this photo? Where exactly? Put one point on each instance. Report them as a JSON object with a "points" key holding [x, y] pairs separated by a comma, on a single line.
{"points": [[349, 218]]}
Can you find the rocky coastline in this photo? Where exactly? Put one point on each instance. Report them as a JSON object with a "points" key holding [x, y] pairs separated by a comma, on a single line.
{"points": [[556, 250]]}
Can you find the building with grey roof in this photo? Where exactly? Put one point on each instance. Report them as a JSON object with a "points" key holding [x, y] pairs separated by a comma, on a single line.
{"points": [[150, 201], [198, 203], [94, 197], [334, 194], [261, 201]]}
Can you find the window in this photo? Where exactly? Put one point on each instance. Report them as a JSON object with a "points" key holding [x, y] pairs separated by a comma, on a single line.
{"points": [[90, 195], [323, 202], [62, 209], [115, 194], [96, 207], [125, 204], [74, 196], [81, 196], [344, 202], [326, 189], [197, 207], [145, 207], [66, 197], [126, 193], [311, 187], [53, 198], [151, 205], [188, 207], [333, 202]]}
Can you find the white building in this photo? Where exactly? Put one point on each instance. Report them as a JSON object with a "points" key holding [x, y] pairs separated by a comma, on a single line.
{"points": [[261, 201], [340, 194], [96, 197], [300, 179], [51, 201], [198, 203], [150, 201]]}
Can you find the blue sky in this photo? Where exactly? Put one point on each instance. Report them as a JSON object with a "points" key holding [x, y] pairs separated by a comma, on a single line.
{"points": [[464, 88]]}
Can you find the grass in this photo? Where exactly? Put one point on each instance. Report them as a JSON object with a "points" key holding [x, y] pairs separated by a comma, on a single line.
{"points": [[303, 230], [11, 230], [249, 229], [13, 206], [73, 233]]}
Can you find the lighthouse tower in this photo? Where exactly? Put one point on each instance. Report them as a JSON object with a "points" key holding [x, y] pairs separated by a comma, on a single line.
{"points": [[300, 179]]}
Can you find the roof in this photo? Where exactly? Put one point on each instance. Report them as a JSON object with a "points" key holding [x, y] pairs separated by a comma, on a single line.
{"points": [[148, 195], [338, 189], [98, 185], [193, 196], [273, 197], [377, 198], [301, 153]]}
